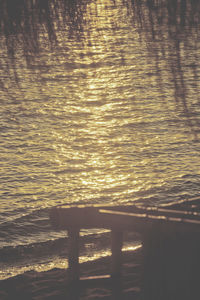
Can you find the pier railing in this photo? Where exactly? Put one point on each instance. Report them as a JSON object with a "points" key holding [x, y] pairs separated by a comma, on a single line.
{"points": [[158, 227]]}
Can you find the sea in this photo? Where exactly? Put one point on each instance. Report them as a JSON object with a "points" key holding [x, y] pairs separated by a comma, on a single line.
{"points": [[99, 105]]}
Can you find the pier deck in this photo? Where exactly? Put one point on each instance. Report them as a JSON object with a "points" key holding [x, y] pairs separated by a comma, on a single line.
{"points": [[170, 237]]}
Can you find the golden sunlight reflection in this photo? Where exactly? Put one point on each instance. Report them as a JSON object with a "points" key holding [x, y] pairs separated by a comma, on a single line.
{"points": [[97, 119], [39, 267], [60, 262], [107, 252], [107, 141], [105, 130], [108, 115]]}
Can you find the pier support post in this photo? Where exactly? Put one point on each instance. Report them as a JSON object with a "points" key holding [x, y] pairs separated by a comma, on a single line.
{"points": [[116, 249], [73, 289], [73, 255], [116, 263]]}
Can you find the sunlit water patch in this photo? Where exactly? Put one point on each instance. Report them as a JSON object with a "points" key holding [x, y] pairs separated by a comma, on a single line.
{"points": [[93, 122]]}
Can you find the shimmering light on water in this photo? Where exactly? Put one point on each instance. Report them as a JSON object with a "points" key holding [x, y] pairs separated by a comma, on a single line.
{"points": [[99, 118], [60, 263]]}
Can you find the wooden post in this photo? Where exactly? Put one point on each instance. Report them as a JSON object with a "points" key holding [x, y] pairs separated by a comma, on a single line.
{"points": [[116, 264], [116, 248], [73, 255]]}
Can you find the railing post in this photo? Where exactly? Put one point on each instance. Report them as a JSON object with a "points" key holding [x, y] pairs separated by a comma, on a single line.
{"points": [[73, 255], [73, 290], [116, 263], [116, 249]]}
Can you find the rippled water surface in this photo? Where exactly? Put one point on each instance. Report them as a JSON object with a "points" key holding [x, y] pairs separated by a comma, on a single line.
{"points": [[110, 115]]}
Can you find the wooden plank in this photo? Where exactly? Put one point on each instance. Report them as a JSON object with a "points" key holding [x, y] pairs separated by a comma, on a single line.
{"points": [[98, 279], [144, 222], [188, 205], [169, 212], [191, 204], [92, 217], [183, 208]]}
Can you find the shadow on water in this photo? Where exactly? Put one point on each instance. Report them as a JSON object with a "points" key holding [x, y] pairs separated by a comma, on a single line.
{"points": [[28, 25], [170, 29]]}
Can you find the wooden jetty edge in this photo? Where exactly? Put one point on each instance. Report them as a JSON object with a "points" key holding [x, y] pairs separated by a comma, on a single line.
{"points": [[170, 239]]}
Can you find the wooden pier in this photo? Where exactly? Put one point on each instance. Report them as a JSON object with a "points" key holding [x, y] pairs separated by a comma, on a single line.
{"points": [[170, 237]]}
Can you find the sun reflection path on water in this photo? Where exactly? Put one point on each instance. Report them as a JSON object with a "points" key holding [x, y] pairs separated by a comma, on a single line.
{"points": [[95, 125], [92, 124], [112, 142]]}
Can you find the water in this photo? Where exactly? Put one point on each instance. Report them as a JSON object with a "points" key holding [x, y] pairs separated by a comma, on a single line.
{"points": [[106, 111]]}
